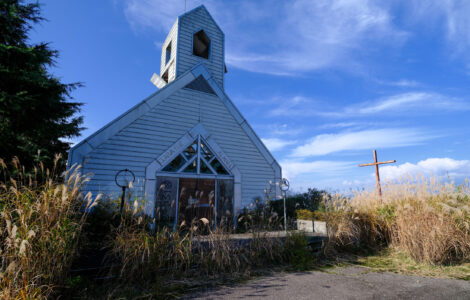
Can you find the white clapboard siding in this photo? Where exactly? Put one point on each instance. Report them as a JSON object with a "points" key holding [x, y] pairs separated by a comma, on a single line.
{"points": [[171, 38], [188, 25], [162, 126], [138, 137]]}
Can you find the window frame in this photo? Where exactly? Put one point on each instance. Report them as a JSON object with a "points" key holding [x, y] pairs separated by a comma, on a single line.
{"points": [[199, 157], [168, 53]]}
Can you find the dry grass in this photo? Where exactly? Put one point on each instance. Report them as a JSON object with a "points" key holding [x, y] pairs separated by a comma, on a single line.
{"points": [[41, 220], [169, 255], [425, 218]]}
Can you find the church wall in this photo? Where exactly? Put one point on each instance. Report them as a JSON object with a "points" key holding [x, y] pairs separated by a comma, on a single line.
{"points": [[190, 24], [141, 142]]}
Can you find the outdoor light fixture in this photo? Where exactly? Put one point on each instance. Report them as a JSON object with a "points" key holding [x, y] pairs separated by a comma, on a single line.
{"points": [[284, 188], [124, 179]]}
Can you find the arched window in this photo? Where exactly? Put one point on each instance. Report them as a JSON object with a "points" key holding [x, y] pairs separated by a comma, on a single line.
{"points": [[201, 44]]}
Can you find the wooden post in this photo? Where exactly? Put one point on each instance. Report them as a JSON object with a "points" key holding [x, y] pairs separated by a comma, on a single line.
{"points": [[377, 175]]}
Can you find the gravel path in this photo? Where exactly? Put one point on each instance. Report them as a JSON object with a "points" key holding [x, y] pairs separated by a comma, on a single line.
{"points": [[341, 283]]}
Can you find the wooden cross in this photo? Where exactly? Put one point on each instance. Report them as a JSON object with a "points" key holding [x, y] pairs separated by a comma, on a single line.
{"points": [[376, 164]]}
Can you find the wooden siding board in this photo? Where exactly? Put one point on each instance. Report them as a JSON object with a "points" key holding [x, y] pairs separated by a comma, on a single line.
{"points": [[125, 150]]}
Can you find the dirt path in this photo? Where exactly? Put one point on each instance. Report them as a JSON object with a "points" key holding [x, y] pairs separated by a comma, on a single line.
{"points": [[341, 283]]}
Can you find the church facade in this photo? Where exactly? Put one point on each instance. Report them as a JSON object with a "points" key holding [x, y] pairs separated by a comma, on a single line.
{"points": [[192, 153]]}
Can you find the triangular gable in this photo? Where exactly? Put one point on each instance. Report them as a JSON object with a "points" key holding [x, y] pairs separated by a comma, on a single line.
{"points": [[201, 85], [77, 153], [197, 134], [202, 7]]}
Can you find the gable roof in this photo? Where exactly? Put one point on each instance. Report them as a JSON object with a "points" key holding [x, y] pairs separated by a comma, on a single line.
{"points": [[198, 72], [201, 7]]}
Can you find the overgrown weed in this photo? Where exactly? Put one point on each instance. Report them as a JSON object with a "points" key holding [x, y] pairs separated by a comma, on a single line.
{"points": [[424, 217], [42, 214]]}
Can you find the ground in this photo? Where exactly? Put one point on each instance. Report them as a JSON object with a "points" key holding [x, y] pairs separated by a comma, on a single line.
{"points": [[350, 282]]}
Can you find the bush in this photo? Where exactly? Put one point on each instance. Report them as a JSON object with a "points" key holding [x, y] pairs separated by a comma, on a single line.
{"points": [[163, 255], [311, 200], [426, 218], [42, 215]]}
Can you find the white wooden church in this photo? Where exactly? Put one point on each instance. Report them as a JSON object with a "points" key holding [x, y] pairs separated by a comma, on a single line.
{"points": [[192, 152]]}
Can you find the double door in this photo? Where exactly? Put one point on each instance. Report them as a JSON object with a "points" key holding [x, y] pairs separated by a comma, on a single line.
{"points": [[181, 202]]}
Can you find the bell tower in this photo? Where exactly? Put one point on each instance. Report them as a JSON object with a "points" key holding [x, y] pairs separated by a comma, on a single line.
{"points": [[194, 38]]}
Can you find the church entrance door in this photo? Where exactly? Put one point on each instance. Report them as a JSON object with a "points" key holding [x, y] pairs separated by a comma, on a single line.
{"points": [[196, 200]]}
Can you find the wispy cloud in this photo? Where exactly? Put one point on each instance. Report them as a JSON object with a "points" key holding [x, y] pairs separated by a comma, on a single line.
{"points": [[455, 169], [424, 101], [360, 140], [416, 102], [275, 144], [343, 31], [399, 83], [292, 168], [451, 15]]}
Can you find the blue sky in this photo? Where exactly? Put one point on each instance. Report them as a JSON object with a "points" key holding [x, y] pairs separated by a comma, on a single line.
{"points": [[321, 82]]}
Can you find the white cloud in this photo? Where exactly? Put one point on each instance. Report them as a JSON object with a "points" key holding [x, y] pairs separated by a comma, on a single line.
{"points": [[292, 169], [406, 101], [451, 15], [455, 169], [399, 83], [303, 35], [420, 102], [360, 140], [275, 144]]}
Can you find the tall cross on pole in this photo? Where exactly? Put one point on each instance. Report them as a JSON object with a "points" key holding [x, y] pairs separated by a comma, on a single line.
{"points": [[377, 176]]}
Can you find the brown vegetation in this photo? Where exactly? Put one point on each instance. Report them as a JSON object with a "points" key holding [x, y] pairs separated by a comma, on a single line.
{"points": [[426, 218], [41, 220]]}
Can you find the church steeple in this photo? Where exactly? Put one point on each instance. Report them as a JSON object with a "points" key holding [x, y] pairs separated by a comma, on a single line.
{"points": [[194, 38]]}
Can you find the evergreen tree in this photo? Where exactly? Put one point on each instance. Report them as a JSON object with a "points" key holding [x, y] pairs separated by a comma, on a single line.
{"points": [[36, 113]]}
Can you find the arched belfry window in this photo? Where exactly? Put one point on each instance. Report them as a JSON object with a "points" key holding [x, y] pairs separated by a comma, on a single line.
{"points": [[197, 158], [201, 44]]}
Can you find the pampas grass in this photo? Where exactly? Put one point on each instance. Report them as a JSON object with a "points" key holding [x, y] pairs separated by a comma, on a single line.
{"points": [[42, 214], [427, 218]]}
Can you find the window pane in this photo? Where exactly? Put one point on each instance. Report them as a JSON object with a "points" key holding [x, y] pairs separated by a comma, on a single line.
{"points": [[225, 203], [205, 152], [217, 166], [175, 164], [191, 150], [192, 167], [165, 205], [204, 168]]}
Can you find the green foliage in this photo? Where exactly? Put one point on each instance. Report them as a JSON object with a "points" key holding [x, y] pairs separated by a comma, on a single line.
{"points": [[311, 200], [36, 113], [304, 214]]}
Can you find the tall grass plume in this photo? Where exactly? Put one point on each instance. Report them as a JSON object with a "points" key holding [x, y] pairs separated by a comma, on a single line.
{"points": [[42, 213]]}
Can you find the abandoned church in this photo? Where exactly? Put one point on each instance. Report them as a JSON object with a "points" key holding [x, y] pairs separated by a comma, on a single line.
{"points": [[191, 152]]}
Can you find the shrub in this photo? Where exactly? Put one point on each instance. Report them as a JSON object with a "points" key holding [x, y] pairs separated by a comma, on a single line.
{"points": [[427, 218], [162, 255], [311, 200], [41, 220]]}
